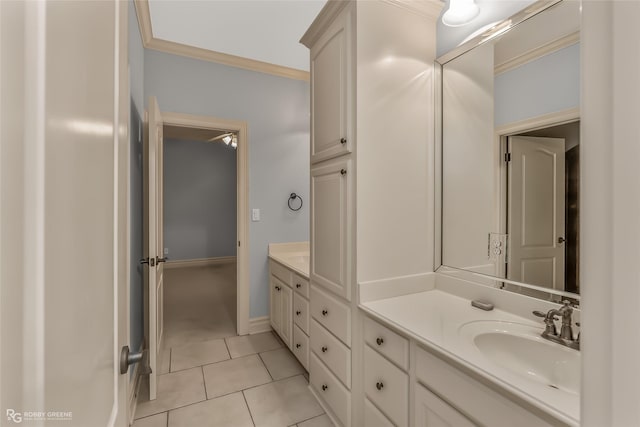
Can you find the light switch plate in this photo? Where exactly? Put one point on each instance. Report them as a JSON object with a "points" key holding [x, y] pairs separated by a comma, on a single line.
{"points": [[166, 251], [255, 215]]}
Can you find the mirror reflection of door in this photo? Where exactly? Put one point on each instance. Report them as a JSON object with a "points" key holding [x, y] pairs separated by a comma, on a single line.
{"points": [[542, 207], [536, 218]]}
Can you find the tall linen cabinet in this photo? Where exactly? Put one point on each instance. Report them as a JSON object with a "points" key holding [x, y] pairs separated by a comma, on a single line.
{"points": [[372, 176]]}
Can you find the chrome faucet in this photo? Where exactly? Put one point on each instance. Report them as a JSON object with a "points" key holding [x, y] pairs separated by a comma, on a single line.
{"points": [[566, 331]]}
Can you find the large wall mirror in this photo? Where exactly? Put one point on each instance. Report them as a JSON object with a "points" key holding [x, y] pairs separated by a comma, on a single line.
{"points": [[510, 149]]}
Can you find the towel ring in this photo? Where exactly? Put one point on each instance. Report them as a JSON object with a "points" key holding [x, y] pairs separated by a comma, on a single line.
{"points": [[294, 196]]}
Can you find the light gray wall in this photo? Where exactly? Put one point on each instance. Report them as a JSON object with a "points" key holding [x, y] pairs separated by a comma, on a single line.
{"points": [[199, 199], [548, 84], [136, 78], [277, 112]]}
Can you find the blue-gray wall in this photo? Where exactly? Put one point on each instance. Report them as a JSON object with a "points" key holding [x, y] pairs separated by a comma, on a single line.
{"points": [[199, 199], [136, 78], [548, 84], [277, 112]]}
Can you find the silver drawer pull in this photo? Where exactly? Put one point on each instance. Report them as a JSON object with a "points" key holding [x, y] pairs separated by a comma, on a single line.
{"points": [[379, 385], [298, 285], [298, 345], [324, 387], [324, 349], [379, 341], [325, 312]]}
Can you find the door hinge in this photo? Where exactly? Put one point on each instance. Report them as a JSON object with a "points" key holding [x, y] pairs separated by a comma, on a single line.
{"points": [[238, 243], [507, 157]]}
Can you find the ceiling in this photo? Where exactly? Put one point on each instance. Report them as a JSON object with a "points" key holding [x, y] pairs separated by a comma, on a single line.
{"points": [[263, 30]]}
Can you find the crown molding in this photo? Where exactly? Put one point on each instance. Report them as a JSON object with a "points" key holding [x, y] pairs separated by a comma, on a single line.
{"points": [[430, 8], [328, 13], [538, 52], [150, 42]]}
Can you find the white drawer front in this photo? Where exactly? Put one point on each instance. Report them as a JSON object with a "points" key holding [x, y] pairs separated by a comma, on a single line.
{"points": [[386, 342], [300, 285], [470, 397], [373, 417], [330, 390], [300, 347], [332, 314], [280, 271], [430, 411], [301, 312], [387, 387], [335, 355]]}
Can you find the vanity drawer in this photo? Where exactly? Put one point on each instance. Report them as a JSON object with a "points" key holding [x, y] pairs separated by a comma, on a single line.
{"points": [[300, 347], [386, 342], [387, 386], [300, 285], [301, 312], [280, 271], [468, 396], [327, 386], [332, 314], [373, 417], [335, 355]]}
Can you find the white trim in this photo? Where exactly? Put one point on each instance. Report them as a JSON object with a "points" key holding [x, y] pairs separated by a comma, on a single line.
{"points": [[134, 387], [538, 122], [538, 52], [260, 324], [200, 262], [243, 218], [150, 42]]}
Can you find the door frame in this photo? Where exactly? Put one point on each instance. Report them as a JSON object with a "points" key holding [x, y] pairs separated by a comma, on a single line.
{"points": [[242, 189]]}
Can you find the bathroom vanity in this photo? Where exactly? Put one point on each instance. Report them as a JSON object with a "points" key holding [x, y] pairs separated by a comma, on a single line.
{"points": [[289, 296]]}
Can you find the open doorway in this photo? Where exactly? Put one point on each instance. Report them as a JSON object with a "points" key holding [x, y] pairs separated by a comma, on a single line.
{"points": [[200, 234]]}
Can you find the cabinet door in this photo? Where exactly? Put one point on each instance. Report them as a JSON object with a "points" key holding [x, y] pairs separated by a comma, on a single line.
{"points": [[329, 91], [286, 308], [330, 226], [431, 411], [275, 314]]}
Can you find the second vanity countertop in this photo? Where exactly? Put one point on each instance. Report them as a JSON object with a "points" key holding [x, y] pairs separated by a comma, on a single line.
{"points": [[434, 318], [294, 256]]}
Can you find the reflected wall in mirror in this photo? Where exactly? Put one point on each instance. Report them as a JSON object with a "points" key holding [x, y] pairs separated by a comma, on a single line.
{"points": [[510, 150]]}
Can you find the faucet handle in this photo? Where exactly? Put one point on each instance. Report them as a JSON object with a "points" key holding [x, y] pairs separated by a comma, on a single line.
{"points": [[541, 314]]}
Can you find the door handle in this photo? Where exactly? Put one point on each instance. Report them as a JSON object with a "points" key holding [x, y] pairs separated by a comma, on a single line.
{"points": [[159, 260], [127, 358], [151, 262], [561, 240]]}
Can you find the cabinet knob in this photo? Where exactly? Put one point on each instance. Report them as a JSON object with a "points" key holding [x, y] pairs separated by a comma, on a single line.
{"points": [[343, 141], [298, 285], [343, 171], [298, 312], [324, 387], [379, 385], [325, 312], [324, 349], [298, 345], [379, 341], [278, 288]]}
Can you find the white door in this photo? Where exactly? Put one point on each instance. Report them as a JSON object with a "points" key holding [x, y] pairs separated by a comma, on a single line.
{"points": [[63, 254], [536, 217], [154, 242]]}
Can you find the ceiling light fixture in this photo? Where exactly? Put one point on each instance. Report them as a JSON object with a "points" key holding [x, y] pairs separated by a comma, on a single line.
{"points": [[460, 12]]}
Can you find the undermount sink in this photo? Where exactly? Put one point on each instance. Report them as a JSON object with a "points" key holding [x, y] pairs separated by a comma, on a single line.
{"points": [[520, 349]]}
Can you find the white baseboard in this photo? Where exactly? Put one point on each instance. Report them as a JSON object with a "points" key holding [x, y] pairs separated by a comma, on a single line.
{"points": [[134, 387], [199, 262], [259, 324]]}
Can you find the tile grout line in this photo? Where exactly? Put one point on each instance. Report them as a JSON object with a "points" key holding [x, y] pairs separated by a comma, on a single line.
{"points": [[172, 409], [248, 408], [204, 383], [265, 366]]}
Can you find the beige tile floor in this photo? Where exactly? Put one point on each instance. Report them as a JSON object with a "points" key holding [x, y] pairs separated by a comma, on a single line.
{"points": [[208, 376]]}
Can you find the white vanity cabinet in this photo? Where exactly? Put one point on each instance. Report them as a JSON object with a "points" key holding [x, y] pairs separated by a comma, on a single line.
{"points": [[362, 92], [289, 309], [330, 85], [428, 391]]}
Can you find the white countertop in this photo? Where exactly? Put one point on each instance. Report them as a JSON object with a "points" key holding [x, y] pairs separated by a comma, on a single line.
{"points": [[294, 256], [434, 318]]}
